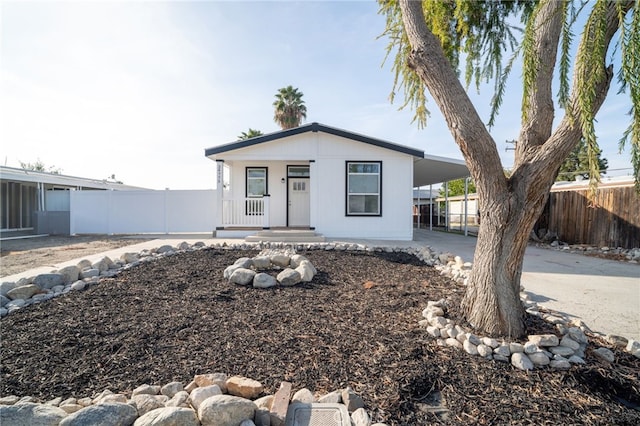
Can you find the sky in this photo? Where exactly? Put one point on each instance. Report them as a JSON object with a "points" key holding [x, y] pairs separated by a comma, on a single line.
{"points": [[140, 89]]}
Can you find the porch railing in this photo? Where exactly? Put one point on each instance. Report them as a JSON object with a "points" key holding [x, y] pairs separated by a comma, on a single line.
{"points": [[245, 212]]}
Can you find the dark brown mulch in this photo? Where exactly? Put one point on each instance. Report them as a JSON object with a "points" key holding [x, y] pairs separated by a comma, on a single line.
{"points": [[176, 317]]}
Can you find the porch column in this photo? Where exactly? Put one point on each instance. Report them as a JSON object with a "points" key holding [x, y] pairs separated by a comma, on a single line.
{"points": [[266, 199], [313, 188], [219, 193]]}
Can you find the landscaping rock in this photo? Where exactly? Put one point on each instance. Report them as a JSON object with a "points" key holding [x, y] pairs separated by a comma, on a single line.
{"points": [[521, 361], [169, 416], [225, 410], [198, 395], [23, 292], [244, 387], [30, 414], [289, 277], [242, 276], [604, 354], [47, 281], [262, 280], [112, 414]]}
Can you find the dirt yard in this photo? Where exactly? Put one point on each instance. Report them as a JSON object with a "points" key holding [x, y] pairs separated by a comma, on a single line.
{"points": [[20, 255]]}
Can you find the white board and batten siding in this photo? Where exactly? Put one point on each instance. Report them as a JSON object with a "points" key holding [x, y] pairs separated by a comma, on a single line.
{"points": [[139, 212], [327, 154]]}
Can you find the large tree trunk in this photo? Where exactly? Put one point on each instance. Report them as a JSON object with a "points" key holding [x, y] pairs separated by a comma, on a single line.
{"points": [[510, 206], [491, 303]]}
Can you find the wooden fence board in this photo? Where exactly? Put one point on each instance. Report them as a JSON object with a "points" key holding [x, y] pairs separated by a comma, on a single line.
{"points": [[613, 222]]}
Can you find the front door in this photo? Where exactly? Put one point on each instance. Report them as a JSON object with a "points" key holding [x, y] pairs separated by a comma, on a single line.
{"points": [[298, 213]]}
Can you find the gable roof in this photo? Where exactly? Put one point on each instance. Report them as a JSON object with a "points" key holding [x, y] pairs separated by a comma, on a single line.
{"points": [[313, 127]]}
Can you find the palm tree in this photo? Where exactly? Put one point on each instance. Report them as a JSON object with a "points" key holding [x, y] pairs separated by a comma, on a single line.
{"points": [[289, 108], [252, 133]]}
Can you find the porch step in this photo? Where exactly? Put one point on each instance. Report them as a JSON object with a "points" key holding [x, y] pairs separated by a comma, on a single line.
{"points": [[286, 236]]}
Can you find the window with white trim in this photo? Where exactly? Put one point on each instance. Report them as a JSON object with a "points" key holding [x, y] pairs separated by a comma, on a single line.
{"points": [[364, 188], [256, 188], [256, 181]]}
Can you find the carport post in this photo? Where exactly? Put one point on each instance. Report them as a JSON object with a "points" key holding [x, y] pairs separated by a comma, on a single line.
{"points": [[466, 204], [431, 207]]}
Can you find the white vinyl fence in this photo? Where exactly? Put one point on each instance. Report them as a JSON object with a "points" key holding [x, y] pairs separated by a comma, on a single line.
{"points": [[140, 212]]}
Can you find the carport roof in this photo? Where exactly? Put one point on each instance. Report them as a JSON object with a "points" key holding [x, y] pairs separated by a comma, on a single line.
{"points": [[427, 169]]}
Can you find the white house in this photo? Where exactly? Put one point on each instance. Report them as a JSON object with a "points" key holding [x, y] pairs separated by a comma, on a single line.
{"points": [[323, 179]]}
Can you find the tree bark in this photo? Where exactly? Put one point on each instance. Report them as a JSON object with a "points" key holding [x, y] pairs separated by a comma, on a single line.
{"points": [[509, 207]]}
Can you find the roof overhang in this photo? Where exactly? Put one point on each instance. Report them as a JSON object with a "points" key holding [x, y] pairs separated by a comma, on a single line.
{"points": [[22, 175], [427, 169], [312, 127], [431, 169]]}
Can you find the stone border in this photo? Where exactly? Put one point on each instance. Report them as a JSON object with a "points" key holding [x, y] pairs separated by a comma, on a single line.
{"points": [[294, 269], [538, 351], [206, 400]]}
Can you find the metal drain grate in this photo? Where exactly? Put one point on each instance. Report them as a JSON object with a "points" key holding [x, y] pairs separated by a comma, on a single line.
{"points": [[317, 415]]}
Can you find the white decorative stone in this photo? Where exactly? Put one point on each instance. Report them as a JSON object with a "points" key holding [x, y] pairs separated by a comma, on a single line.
{"points": [[304, 395], [225, 410], [146, 389], [170, 389], [145, 403], [484, 350], [198, 395], [180, 399], [262, 280], [169, 416], [360, 417], [107, 414], [544, 339], [433, 331], [538, 358], [78, 285], [530, 347], [23, 292], [29, 413], [306, 271], [515, 347], [244, 387], [281, 260], [521, 361], [470, 348], [242, 276], [244, 262], [209, 379], [453, 343], [288, 277]]}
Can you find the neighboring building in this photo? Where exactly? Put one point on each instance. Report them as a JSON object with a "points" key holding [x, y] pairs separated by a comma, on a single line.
{"points": [[38, 201], [331, 181]]}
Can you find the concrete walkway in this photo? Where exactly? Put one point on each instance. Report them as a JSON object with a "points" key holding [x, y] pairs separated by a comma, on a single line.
{"points": [[603, 293]]}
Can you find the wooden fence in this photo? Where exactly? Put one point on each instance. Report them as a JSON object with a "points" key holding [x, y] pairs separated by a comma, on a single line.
{"points": [[613, 222]]}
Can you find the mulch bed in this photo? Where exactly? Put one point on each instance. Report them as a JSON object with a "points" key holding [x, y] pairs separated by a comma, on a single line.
{"points": [[177, 317]]}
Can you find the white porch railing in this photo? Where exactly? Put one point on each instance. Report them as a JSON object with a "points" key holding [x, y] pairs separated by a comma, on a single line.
{"points": [[246, 212]]}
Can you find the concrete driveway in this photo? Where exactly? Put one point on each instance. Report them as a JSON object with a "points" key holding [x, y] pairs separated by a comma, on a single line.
{"points": [[605, 294]]}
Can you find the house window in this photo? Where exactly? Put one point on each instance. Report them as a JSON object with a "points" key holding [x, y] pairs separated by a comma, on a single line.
{"points": [[256, 188], [256, 181], [364, 188]]}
